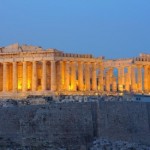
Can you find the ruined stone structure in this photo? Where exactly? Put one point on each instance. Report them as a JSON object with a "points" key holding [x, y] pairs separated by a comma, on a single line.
{"points": [[27, 70]]}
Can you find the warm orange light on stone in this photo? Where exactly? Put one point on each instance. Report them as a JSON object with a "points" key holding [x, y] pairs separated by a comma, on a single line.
{"points": [[19, 85], [29, 85], [32, 70]]}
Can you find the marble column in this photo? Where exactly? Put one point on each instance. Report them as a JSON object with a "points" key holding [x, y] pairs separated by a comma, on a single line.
{"points": [[53, 75], [101, 78], [73, 76], [140, 78], [149, 79], [4, 77], [111, 76], [121, 79], [146, 79], [87, 76], [128, 79], [62, 75], [114, 84], [133, 80], [94, 79], [15, 86], [44, 75], [24, 88], [34, 76], [107, 81], [80, 76], [126, 82], [67, 75]]}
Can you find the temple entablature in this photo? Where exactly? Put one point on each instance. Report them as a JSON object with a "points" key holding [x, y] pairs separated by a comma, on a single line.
{"points": [[117, 63]]}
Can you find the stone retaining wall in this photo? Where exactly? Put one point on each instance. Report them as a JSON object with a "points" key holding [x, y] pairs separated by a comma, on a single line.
{"points": [[73, 125]]}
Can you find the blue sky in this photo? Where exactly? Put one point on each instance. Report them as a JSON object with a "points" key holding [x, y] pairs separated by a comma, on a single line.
{"points": [[112, 28]]}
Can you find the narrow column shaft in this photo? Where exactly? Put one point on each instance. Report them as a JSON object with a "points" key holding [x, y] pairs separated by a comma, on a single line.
{"points": [[67, 75], [127, 86], [24, 76], [111, 76], [34, 76], [140, 78], [44, 75], [107, 80], [53, 75], [101, 78], [87, 76], [73, 76], [114, 84], [128, 79], [15, 77], [80, 76], [149, 79], [4, 77], [133, 81], [94, 79], [121, 78], [62, 75], [146, 78]]}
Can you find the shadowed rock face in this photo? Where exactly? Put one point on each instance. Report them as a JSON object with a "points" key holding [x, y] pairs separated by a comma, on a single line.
{"points": [[73, 125], [102, 144], [57, 125]]}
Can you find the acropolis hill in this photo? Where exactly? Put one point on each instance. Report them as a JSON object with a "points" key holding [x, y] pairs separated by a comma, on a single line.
{"points": [[30, 70], [53, 100]]}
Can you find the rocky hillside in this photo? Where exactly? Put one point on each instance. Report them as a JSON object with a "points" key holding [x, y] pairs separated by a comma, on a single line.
{"points": [[104, 144]]}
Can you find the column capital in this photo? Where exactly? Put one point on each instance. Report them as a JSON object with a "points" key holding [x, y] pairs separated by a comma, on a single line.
{"points": [[73, 62], [44, 60], [67, 61], [80, 62], [61, 61], [146, 66], [88, 63], [53, 61], [139, 66], [94, 63]]}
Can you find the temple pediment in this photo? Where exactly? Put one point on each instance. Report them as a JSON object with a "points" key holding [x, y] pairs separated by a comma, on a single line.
{"points": [[14, 48]]}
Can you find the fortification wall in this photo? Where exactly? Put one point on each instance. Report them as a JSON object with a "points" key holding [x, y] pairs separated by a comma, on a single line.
{"points": [[129, 121], [73, 125], [46, 125]]}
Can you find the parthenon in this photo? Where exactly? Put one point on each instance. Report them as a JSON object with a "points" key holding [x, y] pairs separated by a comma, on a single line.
{"points": [[31, 70]]}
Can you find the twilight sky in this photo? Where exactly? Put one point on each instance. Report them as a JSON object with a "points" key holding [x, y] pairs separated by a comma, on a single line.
{"points": [[112, 28]]}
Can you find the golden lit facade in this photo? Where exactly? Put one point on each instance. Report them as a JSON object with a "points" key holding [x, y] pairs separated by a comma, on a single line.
{"points": [[29, 70]]}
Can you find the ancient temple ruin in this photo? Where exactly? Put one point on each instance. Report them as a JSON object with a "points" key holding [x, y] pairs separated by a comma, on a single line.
{"points": [[30, 70]]}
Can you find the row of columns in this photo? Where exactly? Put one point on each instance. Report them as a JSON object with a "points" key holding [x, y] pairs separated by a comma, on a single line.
{"points": [[24, 76], [81, 76], [136, 79]]}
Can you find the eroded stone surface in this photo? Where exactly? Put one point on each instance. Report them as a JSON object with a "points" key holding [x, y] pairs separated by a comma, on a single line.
{"points": [[104, 144]]}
